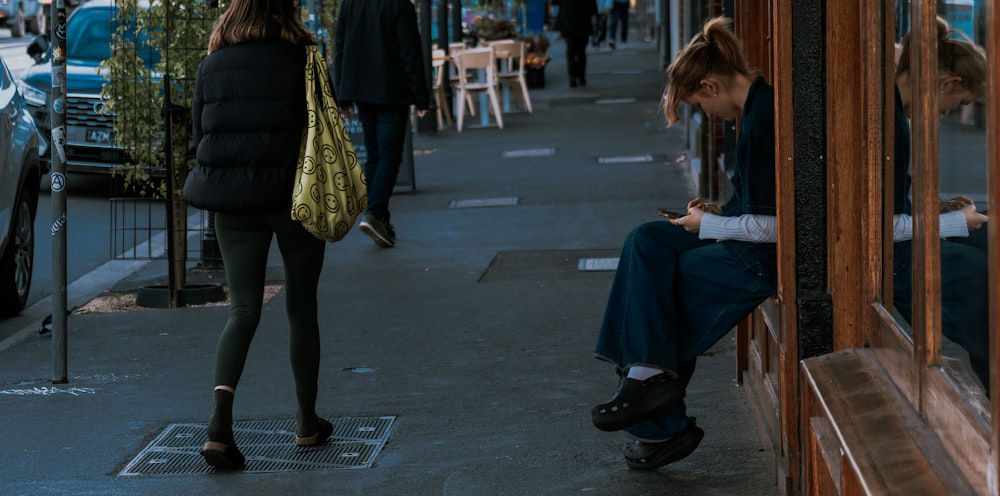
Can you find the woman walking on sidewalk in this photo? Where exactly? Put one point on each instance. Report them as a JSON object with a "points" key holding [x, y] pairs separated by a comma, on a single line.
{"points": [[249, 113], [683, 284]]}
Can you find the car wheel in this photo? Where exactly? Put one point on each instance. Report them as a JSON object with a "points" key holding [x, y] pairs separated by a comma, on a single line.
{"points": [[39, 24], [18, 259], [17, 27]]}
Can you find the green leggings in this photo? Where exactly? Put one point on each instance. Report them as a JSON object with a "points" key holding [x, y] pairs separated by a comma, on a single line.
{"points": [[244, 241]]}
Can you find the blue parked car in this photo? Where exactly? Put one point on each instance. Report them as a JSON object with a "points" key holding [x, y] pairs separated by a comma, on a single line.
{"points": [[90, 143]]}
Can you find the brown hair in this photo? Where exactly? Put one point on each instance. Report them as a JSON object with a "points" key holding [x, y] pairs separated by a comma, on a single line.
{"points": [[715, 50], [962, 58], [248, 21]]}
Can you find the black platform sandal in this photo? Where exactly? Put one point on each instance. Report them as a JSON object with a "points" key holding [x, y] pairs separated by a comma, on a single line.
{"points": [[323, 432], [640, 455], [637, 401], [224, 456]]}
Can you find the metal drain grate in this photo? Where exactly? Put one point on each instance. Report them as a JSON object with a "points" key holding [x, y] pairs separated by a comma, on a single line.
{"points": [[269, 446]]}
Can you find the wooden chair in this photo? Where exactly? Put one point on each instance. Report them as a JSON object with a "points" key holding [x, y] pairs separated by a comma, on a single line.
{"points": [[453, 75], [483, 62], [510, 55]]}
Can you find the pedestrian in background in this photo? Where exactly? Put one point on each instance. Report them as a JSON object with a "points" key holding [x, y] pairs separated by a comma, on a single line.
{"points": [[249, 113], [379, 67], [619, 14], [683, 284], [600, 34], [575, 20]]}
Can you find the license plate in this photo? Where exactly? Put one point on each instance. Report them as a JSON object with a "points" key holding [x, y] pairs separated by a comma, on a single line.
{"points": [[100, 136]]}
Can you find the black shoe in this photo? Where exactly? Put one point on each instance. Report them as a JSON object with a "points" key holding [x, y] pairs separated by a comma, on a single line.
{"points": [[572, 82], [640, 455], [582, 81], [611, 43], [637, 401], [224, 456], [379, 230], [323, 432]]}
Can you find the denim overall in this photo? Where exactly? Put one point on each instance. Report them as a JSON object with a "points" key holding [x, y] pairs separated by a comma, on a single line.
{"points": [[964, 275], [675, 295]]}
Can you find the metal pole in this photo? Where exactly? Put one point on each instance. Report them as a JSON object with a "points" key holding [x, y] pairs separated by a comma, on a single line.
{"points": [[58, 185], [429, 122], [442, 40], [176, 218], [456, 19], [174, 273], [442, 20]]}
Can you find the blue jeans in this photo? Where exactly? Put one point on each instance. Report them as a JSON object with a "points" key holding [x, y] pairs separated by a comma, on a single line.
{"points": [[964, 294], [385, 128], [673, 297], [619, 11]]}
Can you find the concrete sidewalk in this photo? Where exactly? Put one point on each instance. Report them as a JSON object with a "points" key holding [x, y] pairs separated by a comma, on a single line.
{"points": [[469, 343]]}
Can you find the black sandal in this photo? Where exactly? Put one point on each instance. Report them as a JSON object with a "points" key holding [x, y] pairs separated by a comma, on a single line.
{"points": [[640, 455], [224, 456], [637, 401], [323, 432]]}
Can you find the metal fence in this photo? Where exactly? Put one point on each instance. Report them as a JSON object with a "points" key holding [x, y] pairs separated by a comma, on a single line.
{"points": [[139, 231]]}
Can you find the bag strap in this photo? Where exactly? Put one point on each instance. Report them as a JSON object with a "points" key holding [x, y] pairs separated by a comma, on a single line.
{"points": [[321, 75]]}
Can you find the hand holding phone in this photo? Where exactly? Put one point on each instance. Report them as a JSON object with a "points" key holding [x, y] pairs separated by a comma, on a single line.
{"points": [[670, 214]]}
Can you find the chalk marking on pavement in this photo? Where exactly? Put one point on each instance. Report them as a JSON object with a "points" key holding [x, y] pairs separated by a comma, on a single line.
{"points": [[48, 391]]}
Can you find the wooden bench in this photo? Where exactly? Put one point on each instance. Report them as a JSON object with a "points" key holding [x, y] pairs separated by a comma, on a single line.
{"points": [[862, 437]]}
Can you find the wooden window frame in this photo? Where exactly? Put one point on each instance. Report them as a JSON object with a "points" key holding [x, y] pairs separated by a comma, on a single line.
{"points": [[913, 359]]}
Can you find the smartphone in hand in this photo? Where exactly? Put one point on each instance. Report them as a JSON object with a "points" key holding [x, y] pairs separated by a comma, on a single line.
{"points": [[670, 214]]}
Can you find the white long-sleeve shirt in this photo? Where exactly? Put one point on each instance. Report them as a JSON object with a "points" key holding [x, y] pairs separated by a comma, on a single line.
{"points": [[763, 228], [753, 228], [951, 224]]}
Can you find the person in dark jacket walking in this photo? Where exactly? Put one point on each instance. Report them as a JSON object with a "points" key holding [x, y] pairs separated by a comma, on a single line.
{"points": [[378, 66], [575, 21], [249, 113]]}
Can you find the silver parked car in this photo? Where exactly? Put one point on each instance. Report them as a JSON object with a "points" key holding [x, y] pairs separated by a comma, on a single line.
{"points": [[23, 16], [19, 183]]}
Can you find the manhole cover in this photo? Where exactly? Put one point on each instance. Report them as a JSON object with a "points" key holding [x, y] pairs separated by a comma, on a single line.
{"points": [[269, 446]]}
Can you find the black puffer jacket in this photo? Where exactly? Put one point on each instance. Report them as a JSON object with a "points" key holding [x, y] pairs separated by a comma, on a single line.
{"points": [[377, 56], [249, 112]]}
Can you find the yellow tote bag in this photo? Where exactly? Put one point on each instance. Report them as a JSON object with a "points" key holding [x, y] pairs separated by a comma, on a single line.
{"points": [[330, 190]]}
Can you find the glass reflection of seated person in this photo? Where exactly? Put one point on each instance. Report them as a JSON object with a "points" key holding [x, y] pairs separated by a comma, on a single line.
{"points": [[961, 78]]}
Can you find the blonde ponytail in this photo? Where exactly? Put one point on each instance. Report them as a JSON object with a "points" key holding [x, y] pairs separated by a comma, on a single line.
{"points": [[959, 57], [715, 50]]}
